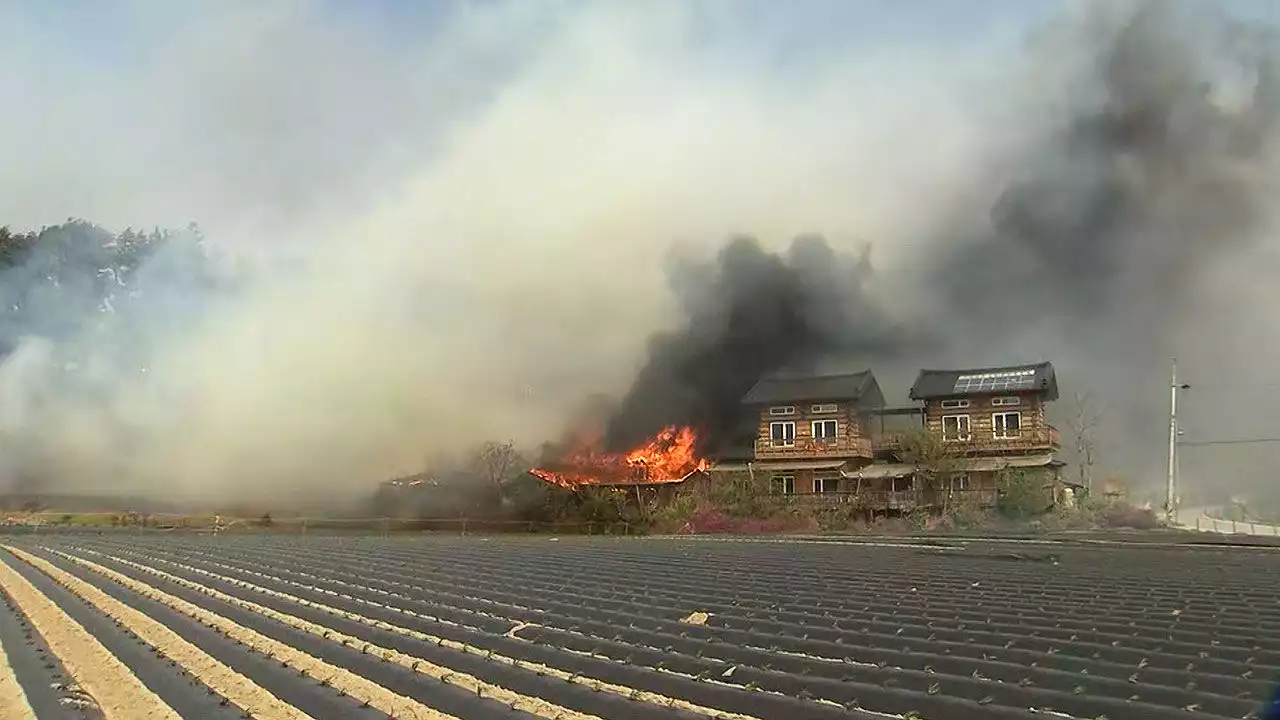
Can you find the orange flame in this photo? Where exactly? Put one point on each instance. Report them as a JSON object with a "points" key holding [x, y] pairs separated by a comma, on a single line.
{"points": [[669, 456]]}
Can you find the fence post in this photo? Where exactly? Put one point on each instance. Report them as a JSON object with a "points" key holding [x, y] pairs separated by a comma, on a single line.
{"points": [[304, 526], [386, 526]]}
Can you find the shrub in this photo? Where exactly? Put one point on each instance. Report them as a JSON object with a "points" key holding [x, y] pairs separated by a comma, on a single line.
{"points": [[969, 514], [1128, 516], [714, 521], [1022, 494]]}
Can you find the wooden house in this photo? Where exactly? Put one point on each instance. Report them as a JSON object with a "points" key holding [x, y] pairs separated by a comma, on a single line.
{"points": [[985, 422], [810, 428], [990, 411]]}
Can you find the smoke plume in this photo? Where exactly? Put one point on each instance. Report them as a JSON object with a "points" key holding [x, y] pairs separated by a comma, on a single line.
{"points": [[433, 229], [1097, 239], [750, 312]]}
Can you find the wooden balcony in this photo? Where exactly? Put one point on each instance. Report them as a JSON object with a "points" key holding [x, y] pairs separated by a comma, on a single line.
{"points": [[1046, 438], [1029, 440], [805, 448]]}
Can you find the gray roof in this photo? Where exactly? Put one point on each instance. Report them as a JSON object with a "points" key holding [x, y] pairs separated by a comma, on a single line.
{"points": [[1038, 377], [779, 388], [879, 471], [990, 464]]}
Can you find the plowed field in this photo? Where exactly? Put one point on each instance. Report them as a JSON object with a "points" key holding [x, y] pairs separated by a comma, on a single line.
{"points": [[131, 627]]}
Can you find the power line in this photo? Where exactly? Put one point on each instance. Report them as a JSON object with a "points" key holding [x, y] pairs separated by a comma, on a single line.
{"points": [[1200, 443]]}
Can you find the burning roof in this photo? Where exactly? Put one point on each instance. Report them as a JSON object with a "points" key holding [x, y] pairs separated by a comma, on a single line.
{"points": [[668, 457]]}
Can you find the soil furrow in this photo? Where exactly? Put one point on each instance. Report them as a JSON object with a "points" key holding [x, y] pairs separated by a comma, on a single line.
{"points": [[840, 667], [114, 688], [657, 698]]}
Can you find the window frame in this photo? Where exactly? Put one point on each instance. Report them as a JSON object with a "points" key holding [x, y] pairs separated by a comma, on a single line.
{"points": [[968, 428], [958, 482], [825, 439], [1006, 401], [895, 482], [782, 411], [1000, 433], [782, 442], [784, 484], [956, 404], [824, 408], [823, 480]]}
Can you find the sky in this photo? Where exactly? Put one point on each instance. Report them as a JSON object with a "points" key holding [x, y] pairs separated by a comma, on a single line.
{"points": [[477, 199]]}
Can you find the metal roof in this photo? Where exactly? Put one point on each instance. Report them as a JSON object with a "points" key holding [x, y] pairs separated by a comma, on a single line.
{"points": [[798, 465], [1038, 377], [991, 464], [877, 471], [777, 388]]}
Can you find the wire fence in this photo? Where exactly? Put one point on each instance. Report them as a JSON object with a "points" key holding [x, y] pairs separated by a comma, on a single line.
{"points": [[217, 524]]}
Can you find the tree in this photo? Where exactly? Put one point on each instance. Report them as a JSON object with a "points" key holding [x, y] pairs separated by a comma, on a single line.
{"points": [[497, 463], [935, 464], [1084, 426]]}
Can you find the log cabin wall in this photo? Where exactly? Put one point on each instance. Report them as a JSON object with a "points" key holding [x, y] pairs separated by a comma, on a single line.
{"points": [[802, 481], [849, 440], [1035, 432]]}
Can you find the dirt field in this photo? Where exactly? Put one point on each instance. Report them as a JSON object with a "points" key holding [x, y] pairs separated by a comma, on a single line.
{"points": [[134, 626]]}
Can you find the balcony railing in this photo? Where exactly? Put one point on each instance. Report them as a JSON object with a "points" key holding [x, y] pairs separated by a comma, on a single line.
{"points": [[1043, 438], [815, 448]]}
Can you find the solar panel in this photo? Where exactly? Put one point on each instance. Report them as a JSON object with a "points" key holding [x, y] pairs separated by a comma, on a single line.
{"points": [[996, 381]]}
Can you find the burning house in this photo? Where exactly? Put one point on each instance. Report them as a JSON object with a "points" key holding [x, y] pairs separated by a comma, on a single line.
{"points": [[655, 469], [832, 439]]}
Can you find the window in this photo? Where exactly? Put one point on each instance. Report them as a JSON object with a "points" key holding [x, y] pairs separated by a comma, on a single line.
{"points": [[955, 427], [959, 481], [826, 484], [954, 404], [783, 410], [782, 434], [1007, 425], [825, 431], [784, 484], [823, 408], [1006, 401]]}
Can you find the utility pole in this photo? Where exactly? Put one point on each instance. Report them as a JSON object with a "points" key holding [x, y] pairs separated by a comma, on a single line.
{"points": [[1171, 514]]}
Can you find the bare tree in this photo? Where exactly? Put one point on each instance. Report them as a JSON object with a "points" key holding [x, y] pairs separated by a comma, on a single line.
{"points": [[497, 462], [1084, 428]]}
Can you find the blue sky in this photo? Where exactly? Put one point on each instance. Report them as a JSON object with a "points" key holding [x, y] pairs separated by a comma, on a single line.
{"points": [[112, 31], [773, 31]]}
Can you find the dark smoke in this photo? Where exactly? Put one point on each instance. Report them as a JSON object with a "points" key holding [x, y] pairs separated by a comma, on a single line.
{"points": [[1148, 181], [1143, 166], [750, 312], [1101, 251]]}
